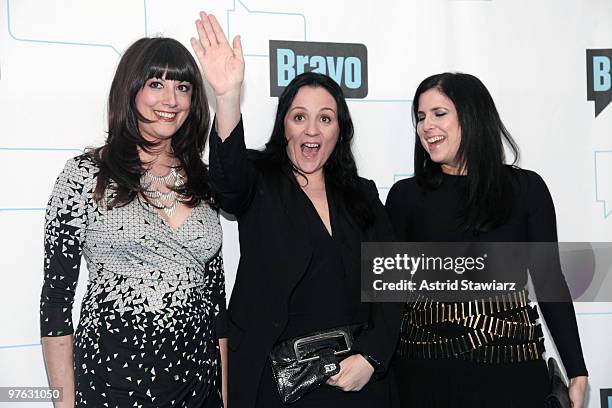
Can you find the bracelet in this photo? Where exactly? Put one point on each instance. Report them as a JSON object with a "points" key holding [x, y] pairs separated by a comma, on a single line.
{"points": [[373, 362]]}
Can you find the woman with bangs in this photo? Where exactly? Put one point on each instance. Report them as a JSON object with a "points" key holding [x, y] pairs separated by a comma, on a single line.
{"points": [[140, 210]]}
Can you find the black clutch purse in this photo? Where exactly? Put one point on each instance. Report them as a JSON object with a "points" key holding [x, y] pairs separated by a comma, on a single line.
{"points": [[303, 363], [559, 395]]}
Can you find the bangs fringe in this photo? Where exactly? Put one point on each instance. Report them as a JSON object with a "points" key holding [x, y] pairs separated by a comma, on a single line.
{"points": [[176, 65]]}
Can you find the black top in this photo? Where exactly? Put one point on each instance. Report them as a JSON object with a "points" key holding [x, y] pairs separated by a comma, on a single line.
{"points": [[420, 215], [321, 299]]}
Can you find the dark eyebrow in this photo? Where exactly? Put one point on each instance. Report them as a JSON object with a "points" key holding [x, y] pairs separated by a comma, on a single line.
{"points": [[434, 108], [166, 80], [322, 109]]}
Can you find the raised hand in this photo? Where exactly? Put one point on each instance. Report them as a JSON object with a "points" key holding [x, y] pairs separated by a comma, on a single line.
{"points": [[223, 68], [223, 65]]}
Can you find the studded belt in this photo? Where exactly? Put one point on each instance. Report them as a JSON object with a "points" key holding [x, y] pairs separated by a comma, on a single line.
{"points": [[506, 318]]}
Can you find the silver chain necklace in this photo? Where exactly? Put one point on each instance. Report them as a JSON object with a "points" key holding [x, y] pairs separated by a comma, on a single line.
{"points": [[166, 200]]}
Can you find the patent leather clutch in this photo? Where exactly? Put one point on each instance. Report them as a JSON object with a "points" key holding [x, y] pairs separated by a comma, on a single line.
{"points": [[302, 364], [559, 395]]}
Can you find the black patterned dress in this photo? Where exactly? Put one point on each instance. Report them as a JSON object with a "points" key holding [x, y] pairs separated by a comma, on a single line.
{"points": [[155, 302]]}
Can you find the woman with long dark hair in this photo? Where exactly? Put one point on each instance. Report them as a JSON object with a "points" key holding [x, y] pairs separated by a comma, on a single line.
{"points": [[140, 210], [464, 192], [302, 211]]}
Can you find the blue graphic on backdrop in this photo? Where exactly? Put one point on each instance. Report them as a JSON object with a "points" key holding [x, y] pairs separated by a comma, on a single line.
{"points": [[599, 78], [603, 180], [345, 63], [271, 24], [67, 42]]}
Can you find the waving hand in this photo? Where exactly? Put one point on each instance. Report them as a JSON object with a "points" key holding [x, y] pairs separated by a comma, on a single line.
{"points": [[223, 65]]}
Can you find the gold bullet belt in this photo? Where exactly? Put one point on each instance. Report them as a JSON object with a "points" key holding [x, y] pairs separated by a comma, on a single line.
{"points": [[509, 353], [491, 305], [508, 318]]}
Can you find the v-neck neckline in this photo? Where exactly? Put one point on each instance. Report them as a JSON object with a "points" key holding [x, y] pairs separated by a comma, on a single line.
{"points": [[316, 213], [152, 209]]}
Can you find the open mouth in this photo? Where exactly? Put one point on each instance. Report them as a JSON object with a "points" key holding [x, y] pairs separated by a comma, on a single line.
{"points": [[165, 116], [310, 149], [435, 140]]}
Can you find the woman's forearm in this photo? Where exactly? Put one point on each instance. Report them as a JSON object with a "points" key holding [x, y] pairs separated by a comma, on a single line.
{"points": [[57, 352], [223, 350], [228, 113]]}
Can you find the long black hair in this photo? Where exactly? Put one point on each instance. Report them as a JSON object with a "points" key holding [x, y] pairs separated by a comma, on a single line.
{"points": [[118, 159], [340, 170], [489, 198]]}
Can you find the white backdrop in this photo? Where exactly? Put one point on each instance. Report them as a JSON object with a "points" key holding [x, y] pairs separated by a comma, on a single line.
{"points": [[57, 59]]}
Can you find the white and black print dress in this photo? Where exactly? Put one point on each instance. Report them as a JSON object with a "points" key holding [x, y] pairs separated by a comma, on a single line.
{"points": [[155, 302]]}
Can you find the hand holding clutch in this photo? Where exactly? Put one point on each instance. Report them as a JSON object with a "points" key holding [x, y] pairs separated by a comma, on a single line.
{"points": [[355, 373]]}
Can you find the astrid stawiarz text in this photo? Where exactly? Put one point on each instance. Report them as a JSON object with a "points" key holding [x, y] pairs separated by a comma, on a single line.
{"points": [[413, 264]]}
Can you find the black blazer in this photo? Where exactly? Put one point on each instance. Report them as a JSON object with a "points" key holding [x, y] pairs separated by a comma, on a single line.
{"points": [[275, 250]]}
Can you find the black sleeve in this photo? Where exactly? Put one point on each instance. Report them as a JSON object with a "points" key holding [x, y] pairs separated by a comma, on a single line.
{"points": [[398, 201], [65, 225], [232, 172], [549, 282], [379, 342]]}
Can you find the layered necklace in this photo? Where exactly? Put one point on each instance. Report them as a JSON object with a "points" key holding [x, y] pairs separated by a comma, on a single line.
{"points": [[154, 189]]}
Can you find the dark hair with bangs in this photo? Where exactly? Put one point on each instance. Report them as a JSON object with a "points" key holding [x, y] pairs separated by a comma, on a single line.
{"points": [[491, 185], [118, 159], [340, 170]]}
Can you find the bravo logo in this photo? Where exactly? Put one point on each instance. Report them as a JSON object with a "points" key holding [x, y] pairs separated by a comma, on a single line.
{"points": [[599, 78], [347, 64]]}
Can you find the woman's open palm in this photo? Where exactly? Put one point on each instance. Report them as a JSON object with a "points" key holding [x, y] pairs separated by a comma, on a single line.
{"points": [[222, 64]]}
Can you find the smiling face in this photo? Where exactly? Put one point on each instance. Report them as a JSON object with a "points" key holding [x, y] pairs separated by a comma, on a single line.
{"points": [[166, 103], [311, 128], [439, 130]]}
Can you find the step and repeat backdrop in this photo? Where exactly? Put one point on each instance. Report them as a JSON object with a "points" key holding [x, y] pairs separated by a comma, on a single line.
{"points": [[546, 63]]}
